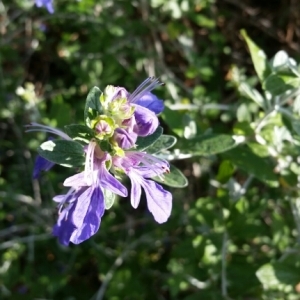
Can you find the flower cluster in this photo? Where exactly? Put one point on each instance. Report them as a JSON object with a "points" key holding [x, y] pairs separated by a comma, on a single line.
{"points": [[107, 149]]}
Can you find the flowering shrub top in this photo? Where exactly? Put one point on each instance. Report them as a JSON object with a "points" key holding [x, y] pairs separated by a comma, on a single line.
{"points": [[119, 127]]}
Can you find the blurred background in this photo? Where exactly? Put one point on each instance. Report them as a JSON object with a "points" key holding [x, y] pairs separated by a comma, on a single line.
{"points": [[209, 248]]}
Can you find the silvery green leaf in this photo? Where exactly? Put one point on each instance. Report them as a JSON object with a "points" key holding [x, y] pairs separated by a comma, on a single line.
{"points": [[109, 198], [174, 179], [164, 142]]}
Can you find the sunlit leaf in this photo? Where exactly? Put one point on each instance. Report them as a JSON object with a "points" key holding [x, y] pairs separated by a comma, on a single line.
{"points": [[277, 276], [174, 179], [79, 132], [109, 198], [67, 153], [258, 56]]}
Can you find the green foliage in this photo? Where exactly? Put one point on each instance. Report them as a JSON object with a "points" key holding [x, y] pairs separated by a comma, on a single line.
{"points": [[79, 132], [92, 105], [143, 143], [66, 153], [208, 144]]}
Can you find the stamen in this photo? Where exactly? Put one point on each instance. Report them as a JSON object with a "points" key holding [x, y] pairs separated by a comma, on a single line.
{"points": [[140, 87], [146, 86], [89, 162], [62, 203], [38, 127], [157, 165]]}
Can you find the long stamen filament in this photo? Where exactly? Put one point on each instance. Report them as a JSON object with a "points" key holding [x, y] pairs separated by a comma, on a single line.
{"points": [[38, 127], [61, 204], [146, 86], [89, 163]]}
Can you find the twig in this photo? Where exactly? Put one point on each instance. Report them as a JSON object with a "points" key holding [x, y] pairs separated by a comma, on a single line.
{"points": [[26, 239], [295, 211], [224, 265], [117, 263]]}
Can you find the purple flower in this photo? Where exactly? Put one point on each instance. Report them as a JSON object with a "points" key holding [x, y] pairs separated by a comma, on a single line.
{"points": [[143, 97], [41, 164], [82, 217], [146, 121], [136, 112], [46, 3], [139, 167], [151, 102]]}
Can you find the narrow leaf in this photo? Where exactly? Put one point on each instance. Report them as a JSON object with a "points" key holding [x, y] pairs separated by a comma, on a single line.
{"points": [[258, 56], [174, 179]]}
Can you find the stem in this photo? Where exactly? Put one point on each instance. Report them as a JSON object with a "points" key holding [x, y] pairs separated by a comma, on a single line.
{"points": [[224, 265], [295, 211], [117, 263]]}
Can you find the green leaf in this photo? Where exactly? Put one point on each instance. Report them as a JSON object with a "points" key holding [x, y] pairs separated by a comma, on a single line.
{"points": [[243, 114], [258, 56], [174, 179], [208, 144], [226, 170], [164, 142], [93, 105], [143, 143], [109, 198], [296, 126], [253, 164], [279, 84], [174, 119], [282, 63], [62, 152], [79, 132], [278, 276], [251, 93]]}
